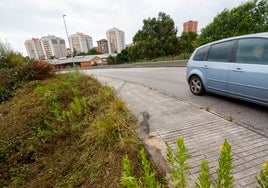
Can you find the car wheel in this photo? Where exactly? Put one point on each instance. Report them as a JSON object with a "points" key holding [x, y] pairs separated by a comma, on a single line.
{"points": [[196, 85]]}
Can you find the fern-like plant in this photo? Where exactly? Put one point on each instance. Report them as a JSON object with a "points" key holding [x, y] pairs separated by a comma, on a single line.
{"points": [[203, 178], [178, 164], [127, 179]]}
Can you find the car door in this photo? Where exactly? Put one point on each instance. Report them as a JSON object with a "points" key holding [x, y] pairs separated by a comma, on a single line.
{"points": [[248, 77], [217, 66]]}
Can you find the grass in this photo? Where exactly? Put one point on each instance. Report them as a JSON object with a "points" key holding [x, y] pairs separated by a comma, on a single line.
{"points": [[66, 131]]}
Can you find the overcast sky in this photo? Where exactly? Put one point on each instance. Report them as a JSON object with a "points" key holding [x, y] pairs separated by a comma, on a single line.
{"points": [[21, 20]]}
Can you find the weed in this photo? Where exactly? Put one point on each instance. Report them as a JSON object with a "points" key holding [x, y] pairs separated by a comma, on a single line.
{"points": [[149, 179], [178, 163], [207, 108], [203, 178], [262, 180], [225, 168], [229, 118], [127, 179]]}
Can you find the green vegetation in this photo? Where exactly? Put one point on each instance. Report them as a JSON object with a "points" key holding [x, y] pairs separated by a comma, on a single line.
{"points": [[179, 170], [92, 51], [203, 178], [178, 164], [179, 167], [149, 179], [9, 58], [66, 131], [262, 180], [225, 169], [16, 69], [156, 38], [249, 17]]}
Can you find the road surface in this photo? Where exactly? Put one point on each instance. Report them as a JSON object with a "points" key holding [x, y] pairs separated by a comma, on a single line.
{"points": [[171, 81]]}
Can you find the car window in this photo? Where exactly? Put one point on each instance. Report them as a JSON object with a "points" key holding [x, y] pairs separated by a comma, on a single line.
{"points": [[253, 50], [200, 54], [220, 52]]}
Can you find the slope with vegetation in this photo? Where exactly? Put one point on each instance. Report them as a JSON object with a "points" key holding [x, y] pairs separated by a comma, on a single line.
{"points": [[64, 130], [68, 130]]}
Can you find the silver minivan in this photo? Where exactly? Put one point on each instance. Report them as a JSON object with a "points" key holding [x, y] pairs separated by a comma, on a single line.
{"points": [[235, 67]]}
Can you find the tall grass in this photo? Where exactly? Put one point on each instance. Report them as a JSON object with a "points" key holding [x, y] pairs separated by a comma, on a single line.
{"points": [[65, 131]]}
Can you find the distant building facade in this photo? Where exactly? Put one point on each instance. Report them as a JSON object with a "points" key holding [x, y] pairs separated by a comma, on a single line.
{"points": [[46, 48], [115, 40], [103, 46], [53, 47], [34, 49], [80, 42], [190, 26]]}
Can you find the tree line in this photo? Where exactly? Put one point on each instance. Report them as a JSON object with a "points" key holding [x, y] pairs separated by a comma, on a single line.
{"points": [[158, 36]]}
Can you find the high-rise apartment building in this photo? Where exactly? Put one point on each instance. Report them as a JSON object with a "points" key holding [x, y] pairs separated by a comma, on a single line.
{"points": [[34, 49], [190, 26], [103, 46], [116, 40], [53, 47], [81, 42]]}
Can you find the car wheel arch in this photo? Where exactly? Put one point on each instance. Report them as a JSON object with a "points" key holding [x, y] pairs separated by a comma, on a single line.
{"points": [[203, 88]]}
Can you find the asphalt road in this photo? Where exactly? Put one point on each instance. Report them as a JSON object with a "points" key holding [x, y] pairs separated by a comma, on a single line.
{"points": [[171, 81]]}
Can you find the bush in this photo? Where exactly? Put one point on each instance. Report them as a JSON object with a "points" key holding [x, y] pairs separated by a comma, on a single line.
{"points": [[12, 78], [39, 70]]}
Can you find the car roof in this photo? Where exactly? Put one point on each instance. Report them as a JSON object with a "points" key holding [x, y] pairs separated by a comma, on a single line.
{"points": [[255, 35]]}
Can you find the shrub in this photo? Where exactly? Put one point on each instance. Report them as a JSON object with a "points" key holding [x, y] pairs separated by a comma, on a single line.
{"points": [[38, 70], [11, 78]]}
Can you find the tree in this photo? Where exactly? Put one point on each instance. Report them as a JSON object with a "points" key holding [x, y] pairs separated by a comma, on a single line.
{"points": [[123, 56], [92, 51], [111, 60], [187, 42], [156, 38], [10, 58], [249, 17], [81, 54]]}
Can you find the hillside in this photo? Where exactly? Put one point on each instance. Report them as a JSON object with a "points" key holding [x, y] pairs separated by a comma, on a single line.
{"points": [[66, 131]]}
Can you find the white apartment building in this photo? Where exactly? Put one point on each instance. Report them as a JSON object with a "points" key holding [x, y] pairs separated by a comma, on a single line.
{"points": [[34, 49], [53, 47], [116, 40], [80, 42]]}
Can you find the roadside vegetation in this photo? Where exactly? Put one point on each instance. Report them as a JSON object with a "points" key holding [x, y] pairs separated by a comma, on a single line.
{"points": [[177, 159], [61, 130], [65, 131]]}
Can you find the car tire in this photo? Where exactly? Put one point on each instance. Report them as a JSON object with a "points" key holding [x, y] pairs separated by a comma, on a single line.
{"points": [[196, 85]]}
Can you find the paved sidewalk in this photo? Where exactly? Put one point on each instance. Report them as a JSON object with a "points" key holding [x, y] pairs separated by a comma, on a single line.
{"points": [[203, 132]]}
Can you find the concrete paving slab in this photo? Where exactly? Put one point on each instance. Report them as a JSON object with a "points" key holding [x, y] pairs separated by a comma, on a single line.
{"points": [[203, 132]]}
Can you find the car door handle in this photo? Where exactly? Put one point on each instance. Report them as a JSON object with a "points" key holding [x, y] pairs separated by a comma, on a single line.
{"points": [[205, 67], [238, 70]]}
